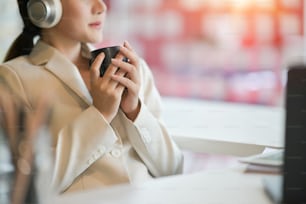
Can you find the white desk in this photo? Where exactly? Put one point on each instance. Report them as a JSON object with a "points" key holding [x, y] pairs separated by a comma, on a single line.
{"points": [[215, 187], [226, 128]]}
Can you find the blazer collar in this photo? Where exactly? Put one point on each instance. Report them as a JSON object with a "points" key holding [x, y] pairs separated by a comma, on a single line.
{"points": [[52, 60]]}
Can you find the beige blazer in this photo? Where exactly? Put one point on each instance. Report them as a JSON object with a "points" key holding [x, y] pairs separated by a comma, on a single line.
{"points": [[88, 151]]}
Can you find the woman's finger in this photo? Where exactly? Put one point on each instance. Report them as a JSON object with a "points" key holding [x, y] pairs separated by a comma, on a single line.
{"points": [[95, 68]]}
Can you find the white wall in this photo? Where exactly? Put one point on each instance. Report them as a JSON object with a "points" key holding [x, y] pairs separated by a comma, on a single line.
{"points": [[10, 24]]}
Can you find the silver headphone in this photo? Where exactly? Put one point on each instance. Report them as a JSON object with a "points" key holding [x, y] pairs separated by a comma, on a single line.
{"points": [[44, 13]]}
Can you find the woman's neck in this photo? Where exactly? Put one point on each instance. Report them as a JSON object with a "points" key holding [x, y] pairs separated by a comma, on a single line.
{"points": [[68, 47]]}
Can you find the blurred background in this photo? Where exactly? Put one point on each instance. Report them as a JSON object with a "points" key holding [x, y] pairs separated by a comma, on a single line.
{"points": [[220, 50]]}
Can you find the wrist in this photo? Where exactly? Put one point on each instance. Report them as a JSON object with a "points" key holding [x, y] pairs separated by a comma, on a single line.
{"points": [[132, 115]]}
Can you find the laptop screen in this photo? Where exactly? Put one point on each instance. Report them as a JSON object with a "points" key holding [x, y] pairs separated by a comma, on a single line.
{"points": [[294, 180]]}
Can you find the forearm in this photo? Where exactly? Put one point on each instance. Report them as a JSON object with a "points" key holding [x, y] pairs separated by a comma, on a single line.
{"points": [[80, 144], [154, 145]]}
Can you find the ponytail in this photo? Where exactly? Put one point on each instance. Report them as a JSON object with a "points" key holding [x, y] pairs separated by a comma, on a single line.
{"points": [[24, 43]]}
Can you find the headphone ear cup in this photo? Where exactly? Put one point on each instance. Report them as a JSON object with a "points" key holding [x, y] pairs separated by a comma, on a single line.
{"points": [[44, 13]]}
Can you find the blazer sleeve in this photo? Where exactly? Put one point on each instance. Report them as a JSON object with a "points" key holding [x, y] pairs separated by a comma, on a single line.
{"points": [[148, 134], [78, 143]]}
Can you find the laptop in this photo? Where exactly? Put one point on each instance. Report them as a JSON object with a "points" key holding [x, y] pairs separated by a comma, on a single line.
{"points": [[290, 187]]}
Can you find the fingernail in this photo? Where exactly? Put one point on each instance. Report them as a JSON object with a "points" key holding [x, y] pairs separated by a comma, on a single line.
{"points": [[102, 54]]}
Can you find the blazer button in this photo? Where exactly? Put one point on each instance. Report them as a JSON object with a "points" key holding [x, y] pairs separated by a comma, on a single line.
{"points": [[116, 153], [90, 161], [102, 150], [96, 156]]}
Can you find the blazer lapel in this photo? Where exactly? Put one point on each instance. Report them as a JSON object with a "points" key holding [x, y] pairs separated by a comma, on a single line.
{"points": [[62, 68]]}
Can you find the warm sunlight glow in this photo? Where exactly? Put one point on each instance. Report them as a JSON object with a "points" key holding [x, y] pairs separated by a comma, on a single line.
{"points": [[240, 4], [192, 4], [265, 3]]}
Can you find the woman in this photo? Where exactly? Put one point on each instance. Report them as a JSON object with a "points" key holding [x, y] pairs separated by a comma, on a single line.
{"points": [[105, 130]]}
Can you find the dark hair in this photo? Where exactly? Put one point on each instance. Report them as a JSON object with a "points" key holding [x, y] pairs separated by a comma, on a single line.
{"points": [[24, 43]]}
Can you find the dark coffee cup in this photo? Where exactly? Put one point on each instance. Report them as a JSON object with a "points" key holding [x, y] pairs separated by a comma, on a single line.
{"points": [[109, 52]]}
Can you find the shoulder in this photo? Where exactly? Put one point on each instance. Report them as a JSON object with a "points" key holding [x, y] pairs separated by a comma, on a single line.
{"points": [[10, 76], [11, 67], [20, 67], [16, 65], [17, 62], [16, 72]]}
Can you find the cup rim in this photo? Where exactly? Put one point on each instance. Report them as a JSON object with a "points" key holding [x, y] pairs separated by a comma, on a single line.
{"points": [[106, 48]]}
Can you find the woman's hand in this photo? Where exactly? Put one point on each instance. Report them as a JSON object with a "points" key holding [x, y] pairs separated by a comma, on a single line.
{"points": [[130, 104], [105, 91]]}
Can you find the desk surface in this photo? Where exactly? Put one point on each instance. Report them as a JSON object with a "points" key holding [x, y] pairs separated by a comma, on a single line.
{"points": [[219, 127], [222, 187]]}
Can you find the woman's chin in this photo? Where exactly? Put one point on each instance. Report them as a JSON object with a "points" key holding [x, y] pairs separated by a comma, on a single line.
{"points": [[95, 40]]}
